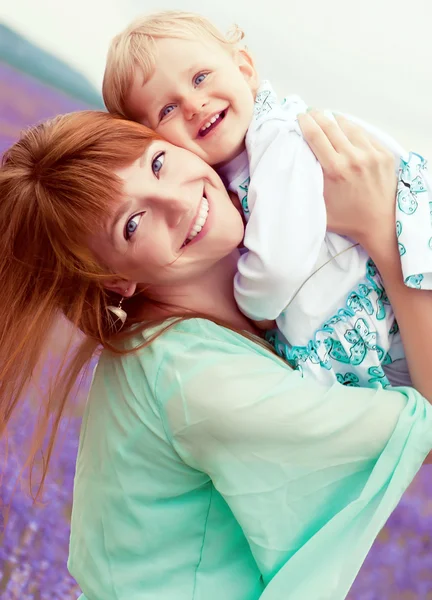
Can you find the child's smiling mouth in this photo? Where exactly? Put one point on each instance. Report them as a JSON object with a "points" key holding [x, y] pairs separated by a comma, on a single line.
{"points": [[212, 123]]}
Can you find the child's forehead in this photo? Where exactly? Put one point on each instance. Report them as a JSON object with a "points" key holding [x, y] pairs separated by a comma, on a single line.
{"points": [[175, 57], [189, 45], [172, 61]]}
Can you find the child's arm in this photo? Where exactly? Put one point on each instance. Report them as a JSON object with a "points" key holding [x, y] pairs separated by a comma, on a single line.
{"points": [[287, 224]]}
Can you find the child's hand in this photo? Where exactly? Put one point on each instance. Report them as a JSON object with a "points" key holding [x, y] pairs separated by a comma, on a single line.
{"points": [[264, 325]]}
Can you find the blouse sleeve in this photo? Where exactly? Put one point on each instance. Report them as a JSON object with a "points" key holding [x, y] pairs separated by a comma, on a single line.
{"points": [[310, 473]]}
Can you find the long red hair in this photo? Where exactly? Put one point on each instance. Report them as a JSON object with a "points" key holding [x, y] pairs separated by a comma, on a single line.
{"points": [[56, 185]]}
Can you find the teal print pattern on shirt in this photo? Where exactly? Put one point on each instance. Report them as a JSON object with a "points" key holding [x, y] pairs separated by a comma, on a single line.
{"points": [[243, 190], [402, 248], [413, 227], [414, 281], [382, 299], [348, 379], [359, 300], [333, 347], [410, 183], [264, 102], [362, 340], [430, 214]]}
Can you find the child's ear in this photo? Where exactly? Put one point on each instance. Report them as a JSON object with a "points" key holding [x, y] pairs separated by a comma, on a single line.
{"points": [[247, 68]]}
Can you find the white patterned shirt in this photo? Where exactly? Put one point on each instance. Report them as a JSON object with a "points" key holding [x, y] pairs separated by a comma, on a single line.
{"points": [[331, 310]]}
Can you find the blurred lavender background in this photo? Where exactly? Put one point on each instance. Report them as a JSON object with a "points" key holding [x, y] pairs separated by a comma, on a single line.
{"points": [[34, 544]]}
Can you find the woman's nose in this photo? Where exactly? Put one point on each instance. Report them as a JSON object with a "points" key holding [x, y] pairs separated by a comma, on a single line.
{"points": [[173, 208]]}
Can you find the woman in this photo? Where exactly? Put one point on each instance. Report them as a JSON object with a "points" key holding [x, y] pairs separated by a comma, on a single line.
{"points": [[207, 468]]}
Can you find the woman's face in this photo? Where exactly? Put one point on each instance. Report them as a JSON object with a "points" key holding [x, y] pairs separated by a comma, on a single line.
{"points": [[174, 221]]}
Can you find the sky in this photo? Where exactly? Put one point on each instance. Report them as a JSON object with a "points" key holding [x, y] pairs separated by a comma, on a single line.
{"points": [[371, 58]]}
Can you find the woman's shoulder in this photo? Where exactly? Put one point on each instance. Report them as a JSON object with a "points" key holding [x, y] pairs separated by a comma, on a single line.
{"points": [[173, 354], [172, 337]]}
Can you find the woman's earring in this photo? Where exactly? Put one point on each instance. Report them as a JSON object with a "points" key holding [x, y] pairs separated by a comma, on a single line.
{"points": [[118, 311]]}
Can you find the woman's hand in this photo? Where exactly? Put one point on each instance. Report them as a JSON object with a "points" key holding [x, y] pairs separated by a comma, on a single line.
{"points": [[360, 195], [359, 181]]}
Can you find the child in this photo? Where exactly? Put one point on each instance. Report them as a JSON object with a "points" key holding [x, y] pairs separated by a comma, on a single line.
{"points": [[176, 73]]}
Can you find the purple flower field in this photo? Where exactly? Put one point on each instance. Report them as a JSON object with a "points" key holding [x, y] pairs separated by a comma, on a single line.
{"points": [[33, 550], [24, 101]]}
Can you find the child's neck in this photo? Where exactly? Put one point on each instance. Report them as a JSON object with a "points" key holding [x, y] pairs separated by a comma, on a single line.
{"points": [[224, 163]]}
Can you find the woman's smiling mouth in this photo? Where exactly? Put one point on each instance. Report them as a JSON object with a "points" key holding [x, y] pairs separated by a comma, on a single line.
{"points": [[199, 221]]}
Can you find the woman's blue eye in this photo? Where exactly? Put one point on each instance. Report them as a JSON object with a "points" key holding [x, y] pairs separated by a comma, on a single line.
{"points": [[167, 110], [131, 226], [200, 78], [157, 163]]}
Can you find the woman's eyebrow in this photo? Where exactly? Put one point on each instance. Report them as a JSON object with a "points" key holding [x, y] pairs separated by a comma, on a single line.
{"points": [[121, 211], [127, 205]]}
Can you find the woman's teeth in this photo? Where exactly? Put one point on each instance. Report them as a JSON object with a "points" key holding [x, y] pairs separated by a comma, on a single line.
{"points": [[200, 220]]}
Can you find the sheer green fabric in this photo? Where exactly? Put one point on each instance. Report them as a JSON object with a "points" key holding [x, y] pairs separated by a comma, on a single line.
{"points": [[208, 469]]}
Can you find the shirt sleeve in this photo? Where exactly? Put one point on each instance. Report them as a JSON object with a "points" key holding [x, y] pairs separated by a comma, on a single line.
{"points": [[287, 222], [311, 474]]}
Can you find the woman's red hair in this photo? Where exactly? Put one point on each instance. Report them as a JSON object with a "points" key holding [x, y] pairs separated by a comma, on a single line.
{"points": [[57, 184]]}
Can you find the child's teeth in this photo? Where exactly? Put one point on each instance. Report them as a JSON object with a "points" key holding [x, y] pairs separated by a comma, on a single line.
{"points": [[212, 120]]}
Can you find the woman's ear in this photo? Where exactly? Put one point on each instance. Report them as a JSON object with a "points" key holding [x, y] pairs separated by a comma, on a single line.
{"points": [[121, 287], [247, 68]]}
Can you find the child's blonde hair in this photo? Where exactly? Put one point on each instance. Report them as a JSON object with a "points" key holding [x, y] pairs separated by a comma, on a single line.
{"points": [[135, 46]]}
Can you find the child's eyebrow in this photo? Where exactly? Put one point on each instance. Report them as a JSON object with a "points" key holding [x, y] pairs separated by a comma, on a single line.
{"points": [[165, 97], [194, 69], [188, 72]]}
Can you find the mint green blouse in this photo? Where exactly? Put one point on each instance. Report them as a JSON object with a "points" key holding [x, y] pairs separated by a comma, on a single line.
{"points": [[209, 470]]}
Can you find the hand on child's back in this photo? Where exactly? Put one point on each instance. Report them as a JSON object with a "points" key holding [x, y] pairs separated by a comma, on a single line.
{"points": [[359, 180]]}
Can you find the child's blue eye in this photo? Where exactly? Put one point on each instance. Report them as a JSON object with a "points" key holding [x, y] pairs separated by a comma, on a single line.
{"points": [[157, 163], [167, 110], [200, 78]]}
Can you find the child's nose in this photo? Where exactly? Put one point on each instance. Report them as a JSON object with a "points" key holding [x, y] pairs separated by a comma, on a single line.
{"points": [[193, 105]]}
